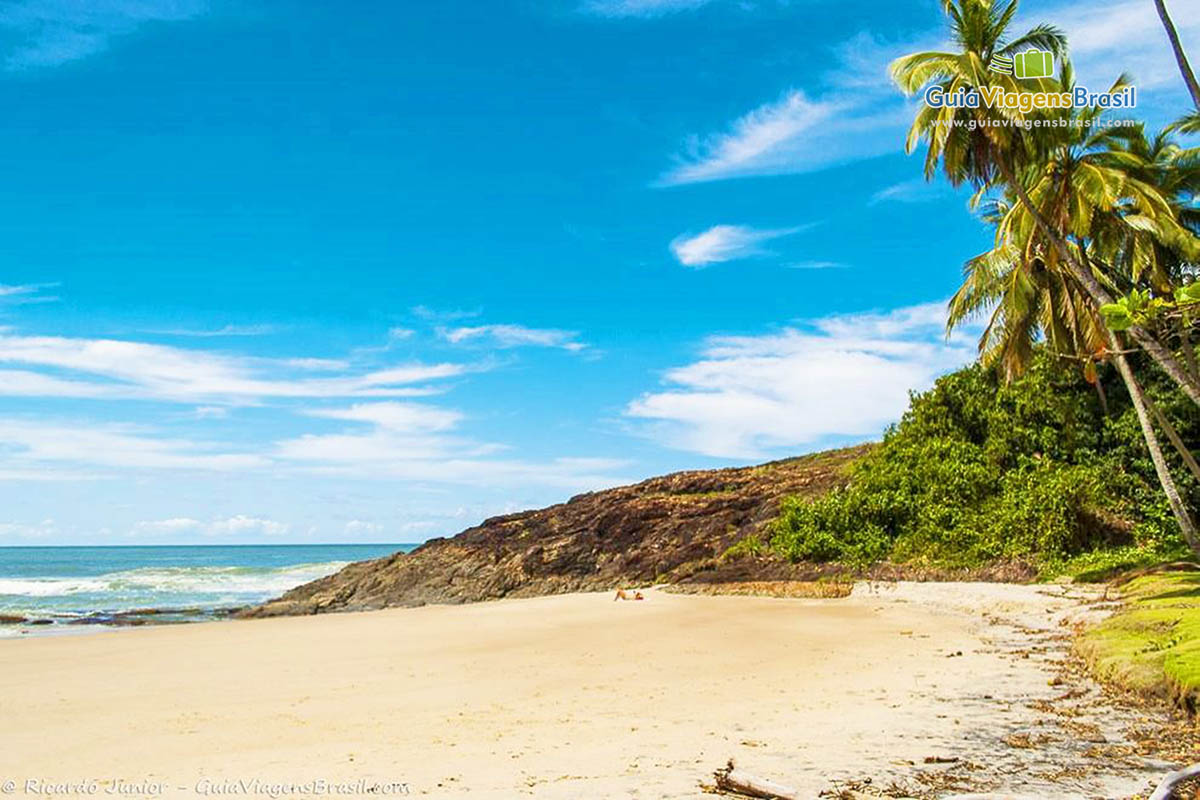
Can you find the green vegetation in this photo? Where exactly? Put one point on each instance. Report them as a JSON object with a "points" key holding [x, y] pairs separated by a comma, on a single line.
{"points": [[1096, 226], [1093, 264], [980, 470], [1049, 450], [1152, 648]]}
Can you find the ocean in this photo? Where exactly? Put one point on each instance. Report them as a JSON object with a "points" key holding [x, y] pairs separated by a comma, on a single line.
{"points": [[73, 589]]}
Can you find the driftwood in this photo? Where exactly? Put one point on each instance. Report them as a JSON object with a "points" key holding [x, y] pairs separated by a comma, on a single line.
{"points": [[1166, 789], [731, 779]]}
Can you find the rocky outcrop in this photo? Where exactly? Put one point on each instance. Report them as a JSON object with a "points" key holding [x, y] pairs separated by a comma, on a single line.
{"points": [[662, 529]]}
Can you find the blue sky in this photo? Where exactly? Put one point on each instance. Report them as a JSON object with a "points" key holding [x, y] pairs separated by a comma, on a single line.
{"points": [[302, 272]]}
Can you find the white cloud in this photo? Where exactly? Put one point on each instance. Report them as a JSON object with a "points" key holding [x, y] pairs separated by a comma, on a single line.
{"points": [[32, 532], [242, 525], [1123, 36], [358, 527], [419, 443], [173, 525], [796, 134], [508, 336], [238, 526], [126, 369], [29, 444], [640, 8], [846, 375], [723, 243], [53, 32], [397, 417]]}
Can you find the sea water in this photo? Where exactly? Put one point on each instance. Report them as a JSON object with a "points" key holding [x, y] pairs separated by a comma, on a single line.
{"points": [[61, 589]]}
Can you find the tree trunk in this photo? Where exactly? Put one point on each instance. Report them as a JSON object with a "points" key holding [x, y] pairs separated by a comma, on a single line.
{"points": [[1189, 352], [1174, 499], [1185, 68], [1102, 395], [1100, 296], [1174, 437]]}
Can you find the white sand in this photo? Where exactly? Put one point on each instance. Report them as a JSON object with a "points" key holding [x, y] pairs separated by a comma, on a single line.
{"points": [[561, 697]]}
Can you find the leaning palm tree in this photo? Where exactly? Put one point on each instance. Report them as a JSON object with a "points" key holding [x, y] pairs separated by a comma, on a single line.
{"points": [[986, 147], [1025, 301], [1097, 187], [1185, 69], [967, 151]]}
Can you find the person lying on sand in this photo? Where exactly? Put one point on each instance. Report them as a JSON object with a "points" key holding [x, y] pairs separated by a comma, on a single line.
{"points": [[623, 595]]}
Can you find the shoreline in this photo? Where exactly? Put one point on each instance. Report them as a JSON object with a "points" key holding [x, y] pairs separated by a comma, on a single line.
{"points": [[578, 695]]}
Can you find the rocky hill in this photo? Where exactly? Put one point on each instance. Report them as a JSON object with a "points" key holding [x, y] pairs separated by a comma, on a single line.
{"points": [[671, 528]]}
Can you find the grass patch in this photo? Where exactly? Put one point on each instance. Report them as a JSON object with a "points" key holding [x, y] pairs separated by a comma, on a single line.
{"points": [[1153, 647]]}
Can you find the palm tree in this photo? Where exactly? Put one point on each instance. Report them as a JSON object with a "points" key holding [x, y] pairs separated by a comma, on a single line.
{"points": [[1027, 301], [1104, 188], [1189, 123], [1185, 68], [983, 147]]}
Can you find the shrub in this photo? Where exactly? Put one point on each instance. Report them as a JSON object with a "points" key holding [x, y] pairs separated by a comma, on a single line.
{"points": [[978, 471]]}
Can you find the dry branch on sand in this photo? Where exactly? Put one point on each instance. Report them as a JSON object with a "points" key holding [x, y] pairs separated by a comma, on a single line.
{"points": [[730, 779], [1166, 789]]}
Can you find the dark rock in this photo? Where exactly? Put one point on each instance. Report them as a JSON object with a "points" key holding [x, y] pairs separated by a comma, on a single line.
{"points": [[11, 619], [669, 528]]}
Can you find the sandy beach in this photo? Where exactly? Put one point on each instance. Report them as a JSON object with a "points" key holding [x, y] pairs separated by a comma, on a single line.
{"points": [[573, 696]]}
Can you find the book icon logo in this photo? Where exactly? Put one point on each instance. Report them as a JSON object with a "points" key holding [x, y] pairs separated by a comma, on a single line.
{"points": [[1030, 64]]}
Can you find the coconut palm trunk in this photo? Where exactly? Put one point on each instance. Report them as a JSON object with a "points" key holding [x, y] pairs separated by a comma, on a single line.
{"points": [[1174, 499], [1185, 68]]}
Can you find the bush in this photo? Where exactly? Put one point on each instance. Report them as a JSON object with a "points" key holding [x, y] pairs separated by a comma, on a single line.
{"points": [[978, 471]]}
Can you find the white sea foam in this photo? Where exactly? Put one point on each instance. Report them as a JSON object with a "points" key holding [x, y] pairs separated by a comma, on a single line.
{"points": [[162, 582]]}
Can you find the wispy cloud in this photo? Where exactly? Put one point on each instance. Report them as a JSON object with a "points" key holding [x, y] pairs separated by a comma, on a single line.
{"points": [[852, 113], [411, 418], [53, 32], [113, 368], [421, 443], [916, 190], [724, 243], [224, 330], [640, 8], [443, 315], [846, 375], [41, 444], [794, 134], [25, 294], [510, 336], [381, 439], [817, 265]]}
